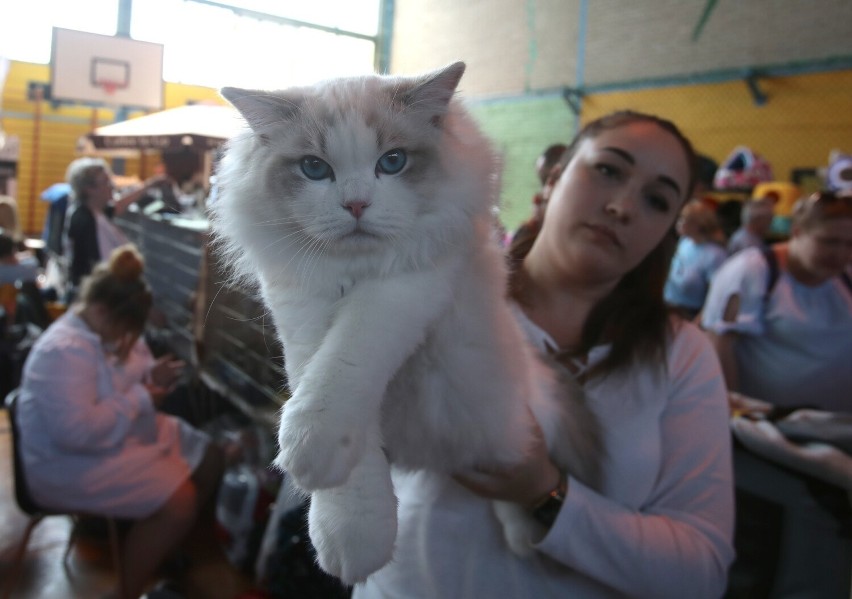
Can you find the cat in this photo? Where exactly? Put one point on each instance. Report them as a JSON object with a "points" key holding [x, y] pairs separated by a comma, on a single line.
{"points": [[363, 208]]}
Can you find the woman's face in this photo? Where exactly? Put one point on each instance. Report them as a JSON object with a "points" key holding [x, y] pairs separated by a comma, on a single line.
{"points": [[118, 341], [99, 192], [616, 199], [824, 250], [688, 224]]}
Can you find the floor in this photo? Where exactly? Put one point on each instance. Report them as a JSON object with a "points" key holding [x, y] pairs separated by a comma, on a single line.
{"points": [[89, 572]]}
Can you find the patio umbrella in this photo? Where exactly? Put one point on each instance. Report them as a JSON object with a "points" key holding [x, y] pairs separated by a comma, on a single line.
{"points": [[201, 126]]}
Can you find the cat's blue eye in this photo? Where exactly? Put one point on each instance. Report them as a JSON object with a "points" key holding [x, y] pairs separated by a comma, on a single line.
{"points": [[391, 162], [316, 168]]}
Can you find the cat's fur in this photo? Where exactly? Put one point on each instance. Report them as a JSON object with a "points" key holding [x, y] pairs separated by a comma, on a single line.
{"points": [[388, 293]]}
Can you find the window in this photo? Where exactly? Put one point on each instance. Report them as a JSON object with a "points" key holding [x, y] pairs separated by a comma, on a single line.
{"points": [[359, 16], [26, 31], [208, 44], [212, 46]]}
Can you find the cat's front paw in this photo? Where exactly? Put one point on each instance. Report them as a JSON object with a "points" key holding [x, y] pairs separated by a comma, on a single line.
{"points": [[317, 449], [519, 529], [353, 540]]}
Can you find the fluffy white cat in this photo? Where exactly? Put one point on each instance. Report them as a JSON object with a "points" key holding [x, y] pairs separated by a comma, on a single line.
{"points": [[363, 208]]}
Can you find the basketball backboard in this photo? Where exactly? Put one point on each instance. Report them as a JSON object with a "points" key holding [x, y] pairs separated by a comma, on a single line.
{"points": [[106, 70]]}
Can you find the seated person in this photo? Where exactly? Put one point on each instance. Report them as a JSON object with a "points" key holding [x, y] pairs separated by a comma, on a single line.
{"points": [[20, 286], [91, 436], [786, 340], [14, 265], [696, 259], [9, 221]]}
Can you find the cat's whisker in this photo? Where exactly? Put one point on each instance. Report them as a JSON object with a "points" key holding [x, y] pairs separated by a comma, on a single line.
{"points": [[222, 285], [312, 251], [319, 251], [294, 256], [278, 221], [282, 238]]}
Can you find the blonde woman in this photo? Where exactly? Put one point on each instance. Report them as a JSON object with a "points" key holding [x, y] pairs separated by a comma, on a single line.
{"points": [[90, 236]]}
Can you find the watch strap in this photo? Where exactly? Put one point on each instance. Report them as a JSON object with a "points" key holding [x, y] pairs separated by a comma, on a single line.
{"points": [[546, 511]]}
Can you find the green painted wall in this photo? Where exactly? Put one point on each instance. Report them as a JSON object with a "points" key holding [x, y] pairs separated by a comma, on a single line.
{"points": [[521, 129]]}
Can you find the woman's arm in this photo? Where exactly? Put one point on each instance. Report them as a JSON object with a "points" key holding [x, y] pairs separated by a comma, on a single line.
{"points": [[678, 543], [64, 382], [725, 346], [735, 306], [134, 195]]}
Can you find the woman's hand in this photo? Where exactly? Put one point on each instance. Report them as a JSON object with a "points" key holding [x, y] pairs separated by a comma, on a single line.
{"points": [[155, 180], [166, 371], [158, 394], [162, 378], [821, 460], [124, 345], [526, 483], [742, 405]]}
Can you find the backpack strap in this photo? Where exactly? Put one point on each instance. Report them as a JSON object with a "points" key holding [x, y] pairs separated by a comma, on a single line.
{"points": [[846, 280], [772, 276]]}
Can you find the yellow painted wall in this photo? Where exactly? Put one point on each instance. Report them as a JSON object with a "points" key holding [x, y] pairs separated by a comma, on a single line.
{"points": [[804, 118], [48, 143]]}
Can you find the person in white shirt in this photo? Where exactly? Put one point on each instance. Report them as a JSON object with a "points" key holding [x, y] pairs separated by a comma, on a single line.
{"points": [[91, 437], [781, 321], [789, 341], [589, 289], [756, 220]]}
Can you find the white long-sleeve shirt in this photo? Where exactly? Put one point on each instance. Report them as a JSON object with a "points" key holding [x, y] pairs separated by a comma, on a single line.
{"points": [[661, 526], [91, 439]]}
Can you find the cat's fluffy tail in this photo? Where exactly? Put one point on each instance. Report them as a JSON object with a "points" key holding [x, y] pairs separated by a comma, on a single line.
{"points": [[573, 437], [570, 428]]}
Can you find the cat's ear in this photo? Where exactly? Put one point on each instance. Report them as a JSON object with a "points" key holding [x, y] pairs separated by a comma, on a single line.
{"points": [[261, 109], [432, 93]]}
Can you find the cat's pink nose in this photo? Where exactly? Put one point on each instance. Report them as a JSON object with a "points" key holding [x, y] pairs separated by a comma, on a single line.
{"points": [[356, 207]]}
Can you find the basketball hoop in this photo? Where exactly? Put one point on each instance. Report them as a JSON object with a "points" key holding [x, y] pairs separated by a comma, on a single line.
{"points": [[109, 86]]}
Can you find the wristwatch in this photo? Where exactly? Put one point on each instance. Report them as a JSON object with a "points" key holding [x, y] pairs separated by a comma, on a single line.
{"points": [[548, 508]]}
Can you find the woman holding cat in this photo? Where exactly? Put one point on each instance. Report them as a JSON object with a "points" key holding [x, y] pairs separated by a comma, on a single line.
{"points": [[589, 290]]}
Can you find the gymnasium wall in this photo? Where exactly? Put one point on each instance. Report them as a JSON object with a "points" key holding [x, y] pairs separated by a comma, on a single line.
{"points": [[668, 57], [515, 47], [692, 62], [803, 118]]}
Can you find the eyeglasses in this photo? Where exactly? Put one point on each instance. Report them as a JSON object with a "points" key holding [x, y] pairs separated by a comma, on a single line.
{"points": [[825, 201], [830, 197]]}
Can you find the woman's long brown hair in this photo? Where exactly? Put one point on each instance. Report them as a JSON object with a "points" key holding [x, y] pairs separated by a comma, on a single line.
{"points": [[633, 318]]}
